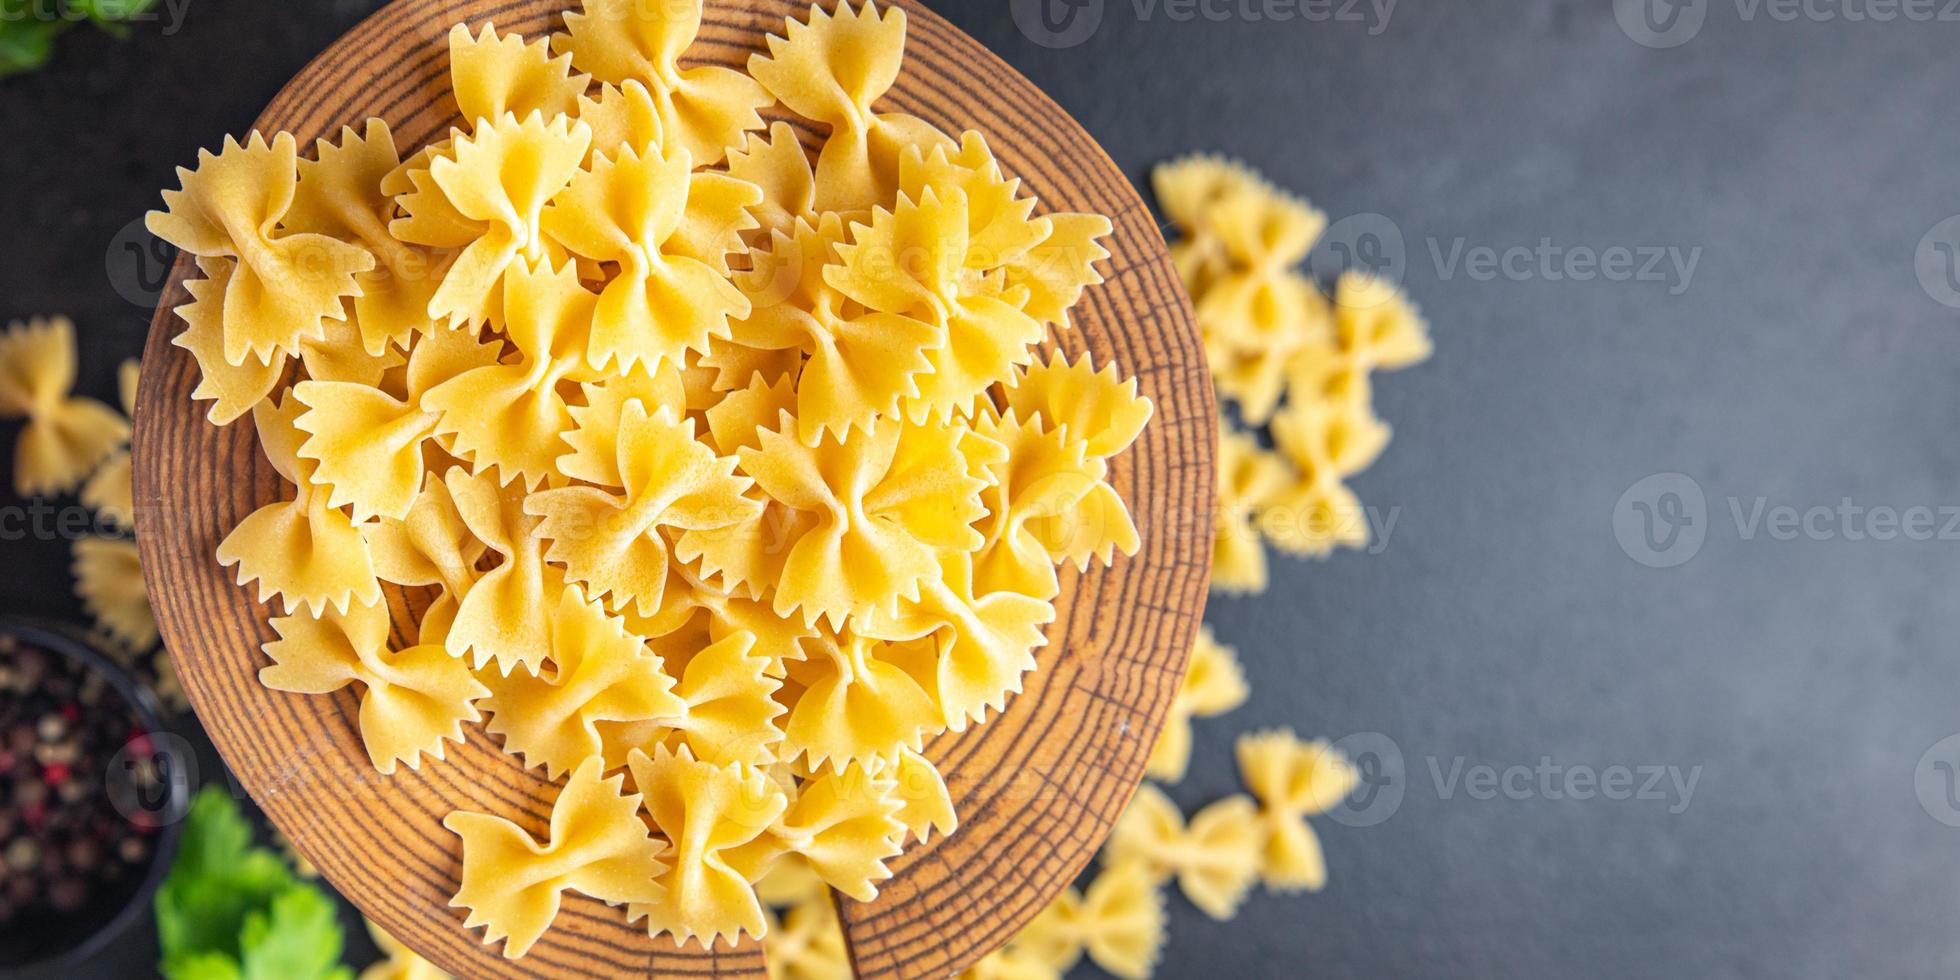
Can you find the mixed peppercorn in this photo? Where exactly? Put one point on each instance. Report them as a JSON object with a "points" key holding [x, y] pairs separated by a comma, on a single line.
{"points": [[68, 740]]}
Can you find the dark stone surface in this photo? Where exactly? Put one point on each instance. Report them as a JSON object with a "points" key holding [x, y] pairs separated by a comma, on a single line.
{"points": [[1503, 623]]}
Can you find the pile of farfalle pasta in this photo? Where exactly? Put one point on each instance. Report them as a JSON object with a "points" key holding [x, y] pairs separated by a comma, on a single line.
{"points": [[1297, 357], [733, 469], [1294, 355]]}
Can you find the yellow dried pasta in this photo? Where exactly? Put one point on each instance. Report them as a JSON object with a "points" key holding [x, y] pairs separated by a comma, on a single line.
{"points": [[1293, 780], [1215, 858], [65, 437], [699, 485], [1213, 685], [512, 884], [109, 580], [109, 492], [1285, 355]]}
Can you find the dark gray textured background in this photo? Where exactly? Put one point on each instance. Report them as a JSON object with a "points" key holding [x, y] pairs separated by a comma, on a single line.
{"points": [[1502, 623]]}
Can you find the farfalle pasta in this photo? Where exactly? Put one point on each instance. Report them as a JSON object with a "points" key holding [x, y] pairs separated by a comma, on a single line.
{"points": [[1215, 858], [712, 504], [1290, 353], [1213, 685], [64, 437]]}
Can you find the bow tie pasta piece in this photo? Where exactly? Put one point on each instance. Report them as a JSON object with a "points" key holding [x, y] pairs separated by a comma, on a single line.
{"points": [[492, 75], [505, 617], [498, 181], [987, 640], [709, 812], [780, 167], [339, 195], [1054, 273], [661, 304], [1043, 476], [1186, 190], [1327, 442], [65, 437], [429, 546], [1262, 349], [600, 673], [1051, 258], [860, 367], [1099, 408], [742, 415], [808, 944], [1293, 780], [1119, 921], [1213, 684], [858, 702], [704, 109], [621, 115], [845, 824], [613, 543], [717, 214], [831, 69], [302, 550], [109, 492], [909, 261], [415, 699], [1216, 859], [1263, 230], [510, 418], [283, 286], [1011, 962], [789, 881], [925, 804], [689, 596], [882, 502], [232, 389], [109, 581], [368, 443], [1001, 227], [728, 715], [595, 440], [1250, 480], [512, 884], [1375, 328]]}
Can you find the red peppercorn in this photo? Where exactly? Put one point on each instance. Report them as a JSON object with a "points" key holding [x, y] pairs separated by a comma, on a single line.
{"points": [[55, 775]]}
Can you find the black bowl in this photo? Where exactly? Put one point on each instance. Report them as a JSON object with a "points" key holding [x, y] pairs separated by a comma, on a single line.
{"points": [[49, 940]]}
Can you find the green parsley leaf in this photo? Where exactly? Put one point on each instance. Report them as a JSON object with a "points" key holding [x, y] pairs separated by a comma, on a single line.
{"points": [[232, 911], [26, 45]]}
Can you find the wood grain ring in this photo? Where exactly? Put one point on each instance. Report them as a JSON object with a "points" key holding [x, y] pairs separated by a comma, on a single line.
{"points": [[1037, 789]]}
